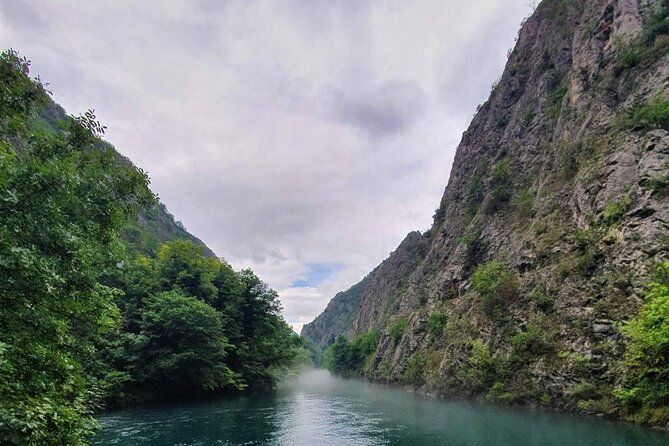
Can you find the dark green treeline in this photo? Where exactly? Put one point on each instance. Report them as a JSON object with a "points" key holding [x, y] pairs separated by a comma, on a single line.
{"points": [[89, 319]]}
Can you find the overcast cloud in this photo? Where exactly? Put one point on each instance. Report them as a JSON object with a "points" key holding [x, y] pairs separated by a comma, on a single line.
{"points": [[301, 138]]}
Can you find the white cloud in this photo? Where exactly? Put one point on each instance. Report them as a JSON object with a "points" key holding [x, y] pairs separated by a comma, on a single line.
{"points": [[283, 133]]}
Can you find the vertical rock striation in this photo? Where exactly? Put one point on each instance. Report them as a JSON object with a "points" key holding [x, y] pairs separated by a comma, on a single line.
{"points": [[560, 184]]}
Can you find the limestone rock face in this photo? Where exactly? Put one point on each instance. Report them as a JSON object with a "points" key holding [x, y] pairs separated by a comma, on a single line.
{"points": [[556, 179]]}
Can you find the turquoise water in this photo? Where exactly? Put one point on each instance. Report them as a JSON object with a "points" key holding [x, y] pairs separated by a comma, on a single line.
{"points": [[316, 408]]}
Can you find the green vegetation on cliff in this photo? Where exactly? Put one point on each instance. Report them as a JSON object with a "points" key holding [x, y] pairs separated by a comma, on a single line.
{"points": [[545, 238], [645, 386], [349, 358]]}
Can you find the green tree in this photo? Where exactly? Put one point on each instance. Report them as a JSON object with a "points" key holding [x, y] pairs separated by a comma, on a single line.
{"points": [[265, 343], [336, 356], [182, 346], [63, 202], [351, 358], [182, 266]]}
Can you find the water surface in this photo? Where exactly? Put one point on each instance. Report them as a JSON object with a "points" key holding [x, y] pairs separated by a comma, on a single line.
{"points": [[316, 408]]}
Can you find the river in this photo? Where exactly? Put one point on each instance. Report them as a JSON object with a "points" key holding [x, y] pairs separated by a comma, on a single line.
{"points": [[316, 408]]}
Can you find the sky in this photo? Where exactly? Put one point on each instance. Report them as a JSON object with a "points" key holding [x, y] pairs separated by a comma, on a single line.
{"points": [[301, 138]]}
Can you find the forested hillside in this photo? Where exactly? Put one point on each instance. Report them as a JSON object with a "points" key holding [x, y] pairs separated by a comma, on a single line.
{"points": [[543, 280], [104, 299]]}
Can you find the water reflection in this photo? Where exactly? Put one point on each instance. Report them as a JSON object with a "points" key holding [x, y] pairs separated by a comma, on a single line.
{"points": [[318, 409]]}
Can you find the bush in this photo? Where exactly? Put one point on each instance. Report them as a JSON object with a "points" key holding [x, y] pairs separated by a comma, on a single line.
{"points": [[535, 340], [555, 98], [474, 247], [542, 301], [481, 369], [413, 369], [585, 259], [397, 329], [528, 117], [474, 191], [614, 211], [657, 24], [495, 284], [435, 325], [653, 114], [524, 203], [657, 184], [645, 365], [500, 181]]}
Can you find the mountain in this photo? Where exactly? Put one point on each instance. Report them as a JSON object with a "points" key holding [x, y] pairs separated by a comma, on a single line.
{"points": [[154, 225], [389, 277], [553, 219]]}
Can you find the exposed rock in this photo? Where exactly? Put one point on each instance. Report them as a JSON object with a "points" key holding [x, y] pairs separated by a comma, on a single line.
{"points": [[550, 180]]}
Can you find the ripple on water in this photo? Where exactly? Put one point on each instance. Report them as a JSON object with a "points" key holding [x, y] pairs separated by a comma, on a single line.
{"points": [[317, 409]]}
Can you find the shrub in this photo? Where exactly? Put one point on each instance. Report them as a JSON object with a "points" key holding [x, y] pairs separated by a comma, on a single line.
{"points": [[500, 172], [413, 369], [653, 41], [542, 301], [645, 365], [586, 258], [499, 393], [500, 182], [528, 117], [397, 329], [535, 340], [481, 368], [435, 324], [649, 115], [614, 211], [555, 98], [474, 247], [657, 184], [585, 390], [474, 191], [495, 284], [657, 24], [524, 203]]}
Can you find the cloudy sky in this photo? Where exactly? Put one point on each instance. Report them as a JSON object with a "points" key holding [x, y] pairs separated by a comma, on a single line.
{"points": [[302, 138]]}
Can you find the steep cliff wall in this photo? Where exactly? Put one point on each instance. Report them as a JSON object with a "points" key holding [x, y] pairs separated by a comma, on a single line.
{"points": [[557, 200]]}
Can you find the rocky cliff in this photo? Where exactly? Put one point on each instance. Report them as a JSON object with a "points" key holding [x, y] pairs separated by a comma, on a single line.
{"points": [[554, 215]]}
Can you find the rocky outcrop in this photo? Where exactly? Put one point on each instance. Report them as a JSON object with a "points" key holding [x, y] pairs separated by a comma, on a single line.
{"points": [[562, 178]]}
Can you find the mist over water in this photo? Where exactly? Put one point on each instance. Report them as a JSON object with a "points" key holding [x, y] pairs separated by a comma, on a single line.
{"points": [[316, 408]]}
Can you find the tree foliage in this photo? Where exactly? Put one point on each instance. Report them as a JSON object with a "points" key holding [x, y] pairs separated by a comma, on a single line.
{"points": [[350, 358], [496, 284], [645, 386], [85, 321], [62, 204]]}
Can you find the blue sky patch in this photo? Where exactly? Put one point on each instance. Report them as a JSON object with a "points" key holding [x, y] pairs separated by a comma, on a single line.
{"points": [[316, 274]]}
